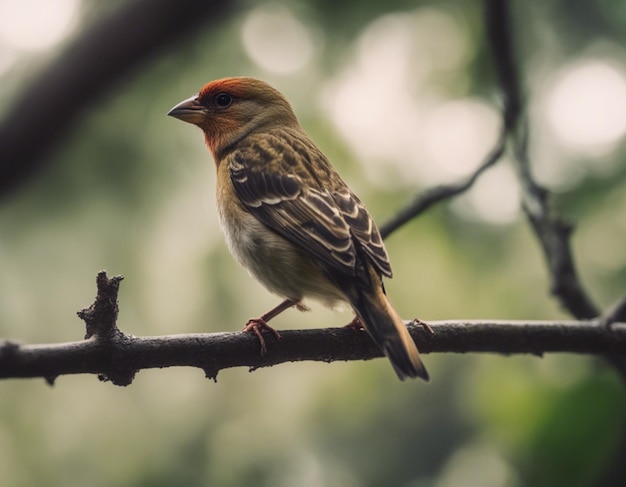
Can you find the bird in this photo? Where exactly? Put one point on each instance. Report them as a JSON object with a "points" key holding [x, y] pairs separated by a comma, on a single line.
{"points": [[288, 217]]}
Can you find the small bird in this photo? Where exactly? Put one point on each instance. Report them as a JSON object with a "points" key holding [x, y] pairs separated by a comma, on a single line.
{"points": [[289, 218]]}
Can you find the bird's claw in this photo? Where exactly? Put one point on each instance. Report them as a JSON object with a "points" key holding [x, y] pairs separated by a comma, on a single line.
{"points": [[423, 324], [356, 324], [256, 325]]}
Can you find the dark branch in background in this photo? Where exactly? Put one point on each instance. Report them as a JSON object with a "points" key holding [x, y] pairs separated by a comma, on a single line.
{"points": [[552, 231], [498, 27], [117, 357], [90, 66]]}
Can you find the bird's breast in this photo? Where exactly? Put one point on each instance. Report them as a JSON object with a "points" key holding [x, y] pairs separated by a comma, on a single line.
{"points": [[281, 266]]}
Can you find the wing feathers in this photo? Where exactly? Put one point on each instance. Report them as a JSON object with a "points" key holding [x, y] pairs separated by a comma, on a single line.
{"points": [[307, 204]]}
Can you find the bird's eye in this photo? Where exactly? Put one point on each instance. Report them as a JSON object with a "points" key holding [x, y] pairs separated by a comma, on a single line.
{"points": [[223, 100]]}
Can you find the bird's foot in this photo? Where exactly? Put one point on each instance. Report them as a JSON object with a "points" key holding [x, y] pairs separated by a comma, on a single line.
{"points": [[356, 324], [256, 326], [423, 324]]}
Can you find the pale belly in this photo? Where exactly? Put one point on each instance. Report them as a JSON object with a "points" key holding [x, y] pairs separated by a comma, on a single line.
{"points": [[280, 266]]}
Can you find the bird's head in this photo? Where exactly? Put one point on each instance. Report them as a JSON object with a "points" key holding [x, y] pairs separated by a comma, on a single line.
{"points": [[229, 109]]}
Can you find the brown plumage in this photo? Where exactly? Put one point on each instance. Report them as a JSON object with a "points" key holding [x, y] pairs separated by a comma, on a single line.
{"points": [[289, 218]]}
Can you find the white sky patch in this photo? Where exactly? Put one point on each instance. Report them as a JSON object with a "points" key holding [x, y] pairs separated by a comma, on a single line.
{"points": [[277, 41], [586, 107], [35, 25]]}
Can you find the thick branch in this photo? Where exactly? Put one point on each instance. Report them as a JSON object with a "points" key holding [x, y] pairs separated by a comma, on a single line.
{"points": [[118, 358]]}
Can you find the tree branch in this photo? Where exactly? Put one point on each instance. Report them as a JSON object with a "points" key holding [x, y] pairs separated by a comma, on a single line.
{"points": [[552, 231], [437, 194], [615, 313], [117, 357], [497, 27]]}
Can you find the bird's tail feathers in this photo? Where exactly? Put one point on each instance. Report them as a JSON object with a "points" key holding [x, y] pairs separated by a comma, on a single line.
{"points": [[387, 329]]}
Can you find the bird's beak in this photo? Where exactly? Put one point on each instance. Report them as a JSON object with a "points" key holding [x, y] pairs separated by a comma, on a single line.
{"points": [[188, 110]]}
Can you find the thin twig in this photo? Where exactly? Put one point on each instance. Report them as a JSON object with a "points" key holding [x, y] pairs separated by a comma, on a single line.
{"points": [[497, 24], [437, 194], [615, 313]]}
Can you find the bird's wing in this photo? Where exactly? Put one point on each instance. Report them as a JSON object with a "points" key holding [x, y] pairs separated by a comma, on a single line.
{"points": [[308, 205]]}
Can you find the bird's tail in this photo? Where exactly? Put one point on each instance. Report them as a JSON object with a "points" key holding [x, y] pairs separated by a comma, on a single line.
{"points": [[380, 319]]}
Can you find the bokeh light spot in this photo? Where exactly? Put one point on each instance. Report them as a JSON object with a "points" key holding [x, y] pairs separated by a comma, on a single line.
{"points": [[444, 37], [36, 24], [586, 108], [276, 40], [382, 101], [495, 197], [458, 135]]}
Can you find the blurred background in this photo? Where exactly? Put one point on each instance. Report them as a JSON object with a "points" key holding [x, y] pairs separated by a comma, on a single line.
{"points": [[401, 96]]}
